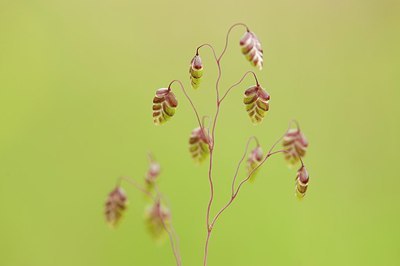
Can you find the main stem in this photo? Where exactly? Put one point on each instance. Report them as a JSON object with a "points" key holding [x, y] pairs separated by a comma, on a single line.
{"points": [[212, 142]]}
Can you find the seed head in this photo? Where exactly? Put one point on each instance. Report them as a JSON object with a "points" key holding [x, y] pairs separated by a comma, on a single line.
{"points": [[255, 158], [164, 105], [115, 206], [295, 145], [157, 218], [256, 100], [251, 48], [198, 144], [196, 71], [302, 179], [153, 172]]}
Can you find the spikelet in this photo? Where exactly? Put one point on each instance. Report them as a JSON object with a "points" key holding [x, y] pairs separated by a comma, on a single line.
{"points": [[157, 218], [198, 145], [256, 100], [115, 206], [302, 179], [295, 145], [152, 174], [251, 48], [255, 158], [164, 105], [196, 71]]}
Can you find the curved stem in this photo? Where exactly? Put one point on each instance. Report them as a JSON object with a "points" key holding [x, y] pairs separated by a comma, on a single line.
{"points": [[189, 99], [171, 233], [240, 81], [212, 142], [135, 185], [235, 193], [210, 46], [241, 161], [227, 37]]}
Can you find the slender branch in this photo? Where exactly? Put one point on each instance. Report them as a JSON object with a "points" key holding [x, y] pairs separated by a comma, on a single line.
{"points": [[171, 233], [212, 142], [135, 185], [189, 99], [241, 161], [240, 185], [211, 47], [227, 37], [240, 81]]}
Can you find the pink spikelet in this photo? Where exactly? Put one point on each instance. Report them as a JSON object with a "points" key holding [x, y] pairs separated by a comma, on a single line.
{"points": [[295, 145], [256, 100], [251, 48], [157, 219], [153, 172], [198, 145], [115, 206], [302, 179], [255, 158], [196, 71], [164, 105]]}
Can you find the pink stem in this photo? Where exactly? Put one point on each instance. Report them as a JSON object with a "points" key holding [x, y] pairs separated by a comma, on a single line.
{"points": [[212, 142], [189, 99], [171, 233], [240, 81]]}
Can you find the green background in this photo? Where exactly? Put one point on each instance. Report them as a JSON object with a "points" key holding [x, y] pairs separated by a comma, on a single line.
{"points": [[76, 83]]}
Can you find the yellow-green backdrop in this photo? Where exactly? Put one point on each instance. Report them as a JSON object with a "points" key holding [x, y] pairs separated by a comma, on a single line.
{"points": [[76, 83]]}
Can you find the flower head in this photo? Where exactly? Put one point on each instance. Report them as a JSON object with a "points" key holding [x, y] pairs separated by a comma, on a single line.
{"points": [[115, 206], [196, 71], [251, 48], [198, 144], [302, 179], [164, 105], [295, 145], [255, 158], [256, 100]]}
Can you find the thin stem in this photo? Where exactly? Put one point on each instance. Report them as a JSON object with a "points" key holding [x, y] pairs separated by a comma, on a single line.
{"points": [[212, 142], [241, 161], [135, 185], [240, 81], [210, 46], [240, 185], [171, 233], [189, 99], [235, 193], [227, 37]]}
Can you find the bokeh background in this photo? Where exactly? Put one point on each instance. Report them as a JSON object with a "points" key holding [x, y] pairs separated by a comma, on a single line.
{"points": [[76, 84]]}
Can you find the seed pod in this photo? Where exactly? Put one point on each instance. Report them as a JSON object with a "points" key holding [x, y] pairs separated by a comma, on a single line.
{"points": [[198, 144], [256, 100], [255, 158], [251, 48], [295, 145], [152, 172], [164, 105], [301, 182], [115, 206], [196, 71], [157, 218]]}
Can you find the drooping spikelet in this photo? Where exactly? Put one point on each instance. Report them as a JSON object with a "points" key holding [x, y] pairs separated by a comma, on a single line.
{"points": [[198, 144], [256, 100], [196, 71], [152, 172], [251, 48], [164, 105], [115, 206], [157, 219], [302, 179], [255, 158], [295, 145]]}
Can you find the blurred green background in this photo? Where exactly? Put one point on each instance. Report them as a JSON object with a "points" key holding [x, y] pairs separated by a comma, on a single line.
{"points": [[76, 83]]}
